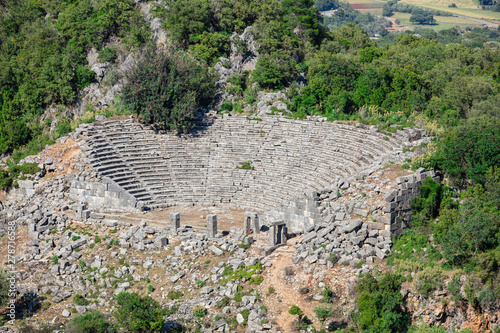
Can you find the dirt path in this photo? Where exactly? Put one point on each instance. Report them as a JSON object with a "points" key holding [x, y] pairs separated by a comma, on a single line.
{"points": [[286, 289]]}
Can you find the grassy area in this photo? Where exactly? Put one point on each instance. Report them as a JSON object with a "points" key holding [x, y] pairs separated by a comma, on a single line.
{"points": [[464, 7], [444, 22]]}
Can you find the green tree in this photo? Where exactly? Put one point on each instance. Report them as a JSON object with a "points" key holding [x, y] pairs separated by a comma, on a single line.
{"points": [[187, 18], [379, 304], [324, 5], [209, 46], [168, 89], [275, 70], [421, 16], [303, 16], [474, 232], [138, 314], [469, 150]]}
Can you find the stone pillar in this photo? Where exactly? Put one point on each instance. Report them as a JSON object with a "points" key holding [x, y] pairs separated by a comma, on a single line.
{"points": [[272, 235], [212, 225], [246, 225], [175, 223], [283, 234], [251, 222]]}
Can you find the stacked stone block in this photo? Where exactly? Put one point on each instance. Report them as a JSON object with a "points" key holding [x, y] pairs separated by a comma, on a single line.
{"points": [[398, 210], [104, 194], [289, 158]]}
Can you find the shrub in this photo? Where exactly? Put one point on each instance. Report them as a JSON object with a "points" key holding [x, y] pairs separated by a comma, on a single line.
{"points": [[138, 314], [245, 166], [257, 279], [168, 89], [226, 106], [5, 180], [426, 206], [323, 312], [302, 321], [151, 288], [112, 77], [173, 295], [473, 233], [469, 150], [328, 295], [80, 300], [429, 279], [90, 322], [271, 290], [274, 71], [54, 259], [199, 311], [486, 298], [209, 46], [379, 304], [333, 258], [107, 54], [4, 286], [200, 284]]}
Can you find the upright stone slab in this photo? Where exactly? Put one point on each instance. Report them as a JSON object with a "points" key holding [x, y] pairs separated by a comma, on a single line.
{"points": [[272, 235], [175, 223], [212, 225], [251, 222]]}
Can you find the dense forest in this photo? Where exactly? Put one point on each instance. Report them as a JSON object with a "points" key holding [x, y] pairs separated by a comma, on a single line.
{"points": [[446, 82]]}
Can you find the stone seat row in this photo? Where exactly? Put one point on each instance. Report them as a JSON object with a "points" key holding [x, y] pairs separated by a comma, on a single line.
{"points": [[290, 157]]}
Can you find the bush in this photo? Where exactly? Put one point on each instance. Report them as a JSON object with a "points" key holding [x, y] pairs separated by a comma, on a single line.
{"points": [[473, 233], [429, 279], [168, 89], [107, 55], [200, 284], [4, 286], [274, 71], [209, 46], [90, 322], [199, 311], [328, 295], [469, 150], [323, 312], [80, 300], [334, 258], [245, 166], [486, 298], [379, 304], [302, 321], [226, 106], [426, 206], [5, 180], [138, 314], [173, 295]]}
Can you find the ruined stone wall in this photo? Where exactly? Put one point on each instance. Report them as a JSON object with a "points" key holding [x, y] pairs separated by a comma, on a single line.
{"points": [[300, 214], [102, 195], [397, 209]]}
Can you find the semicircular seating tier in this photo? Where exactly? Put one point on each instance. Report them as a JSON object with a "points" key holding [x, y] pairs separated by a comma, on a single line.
{"points": [[289, 158]]}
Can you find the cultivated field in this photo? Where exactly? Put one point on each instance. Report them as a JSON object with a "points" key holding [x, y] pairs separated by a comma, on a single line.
{"points": [[467, 8]]}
